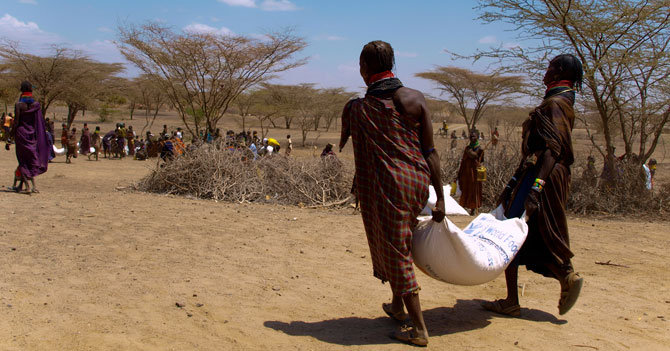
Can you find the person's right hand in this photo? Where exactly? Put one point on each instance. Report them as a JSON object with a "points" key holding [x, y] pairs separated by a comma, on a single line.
{"points": [[439, 211]]}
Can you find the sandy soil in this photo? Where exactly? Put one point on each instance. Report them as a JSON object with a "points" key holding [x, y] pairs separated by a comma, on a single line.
{"points": [[86, 266]]}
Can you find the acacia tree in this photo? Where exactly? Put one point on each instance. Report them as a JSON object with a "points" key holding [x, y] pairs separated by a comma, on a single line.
{"points": [[471, 90], [261, 104], [331, 102], [244, 103], [440, 110], [205, 72], [293, 102], [50, 74], [143, 93], [8, 93], [93, 82], [623, 46]]}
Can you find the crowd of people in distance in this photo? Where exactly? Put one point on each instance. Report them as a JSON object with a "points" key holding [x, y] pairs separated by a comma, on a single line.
{"points": [[167, 145]]}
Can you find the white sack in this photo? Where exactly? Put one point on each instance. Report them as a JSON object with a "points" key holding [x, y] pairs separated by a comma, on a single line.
{"points": [[59, 152], [475, 255], [451, 206]]}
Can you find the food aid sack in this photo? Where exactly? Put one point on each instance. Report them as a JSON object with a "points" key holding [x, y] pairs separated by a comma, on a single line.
{"points": [[472, 256], [451, 206]]}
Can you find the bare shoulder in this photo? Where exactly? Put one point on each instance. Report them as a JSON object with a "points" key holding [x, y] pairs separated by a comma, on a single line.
{"points": [[410, 100], [351, 103], [19, 108], [409, 95]]}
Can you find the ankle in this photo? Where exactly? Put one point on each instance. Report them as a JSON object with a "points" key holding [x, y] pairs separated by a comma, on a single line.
{"points": [[510, 301], [421, 332]]}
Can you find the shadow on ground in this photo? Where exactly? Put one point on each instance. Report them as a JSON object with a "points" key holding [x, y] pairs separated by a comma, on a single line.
{"points": [[464, 316]]}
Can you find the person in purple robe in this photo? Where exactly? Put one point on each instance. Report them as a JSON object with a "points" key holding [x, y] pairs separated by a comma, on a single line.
{"points": [[30, 136], [85, 141]]}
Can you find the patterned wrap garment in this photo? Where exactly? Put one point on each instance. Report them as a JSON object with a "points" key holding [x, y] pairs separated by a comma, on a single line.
{"points": [[391, 184]]}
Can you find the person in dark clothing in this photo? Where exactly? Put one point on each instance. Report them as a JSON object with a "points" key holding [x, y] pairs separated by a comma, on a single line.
{"points": [[539, 188]]}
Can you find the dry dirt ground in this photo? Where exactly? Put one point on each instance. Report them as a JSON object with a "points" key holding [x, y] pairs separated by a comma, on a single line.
{"points": [[86, 266]]}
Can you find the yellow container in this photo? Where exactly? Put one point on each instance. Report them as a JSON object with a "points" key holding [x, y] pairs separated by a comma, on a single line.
{"points": [[481, 174]]}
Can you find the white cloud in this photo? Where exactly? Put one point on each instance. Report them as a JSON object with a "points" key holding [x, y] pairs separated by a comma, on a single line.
{"points": [[203, 28], [105, 29], [406, 54], [489, 39], [278, 5], [27, 32], [8, 21], [243, 3], [31, 2], [37, 41], [265, 5], [101, 50]]}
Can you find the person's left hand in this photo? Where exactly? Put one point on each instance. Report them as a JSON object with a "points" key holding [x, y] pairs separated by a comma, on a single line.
{"points": [[532, 203], [439, 211]]}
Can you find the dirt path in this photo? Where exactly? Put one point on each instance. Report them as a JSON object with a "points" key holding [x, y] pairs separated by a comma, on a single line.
{"points": [[85, 266]]}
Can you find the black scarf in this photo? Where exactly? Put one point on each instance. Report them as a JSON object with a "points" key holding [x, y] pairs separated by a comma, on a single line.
{"points": [[384, 86], [567, 92]]}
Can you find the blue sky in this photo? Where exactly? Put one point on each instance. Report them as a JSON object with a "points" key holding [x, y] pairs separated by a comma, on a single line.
{"points": [[335, 30]]}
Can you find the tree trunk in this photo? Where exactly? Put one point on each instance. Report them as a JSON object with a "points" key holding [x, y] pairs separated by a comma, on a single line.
{"points": [[71, 114], [317, 120], [132, 110], [43, 106], [262, 130], [329, 123]]}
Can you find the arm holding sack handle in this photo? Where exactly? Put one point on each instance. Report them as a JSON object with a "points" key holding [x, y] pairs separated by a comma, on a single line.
{"points": [[433, 161]]}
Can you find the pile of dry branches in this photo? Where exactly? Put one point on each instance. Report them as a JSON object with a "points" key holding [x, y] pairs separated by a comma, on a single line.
{"points": [[209, 172], [627, 195]]}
